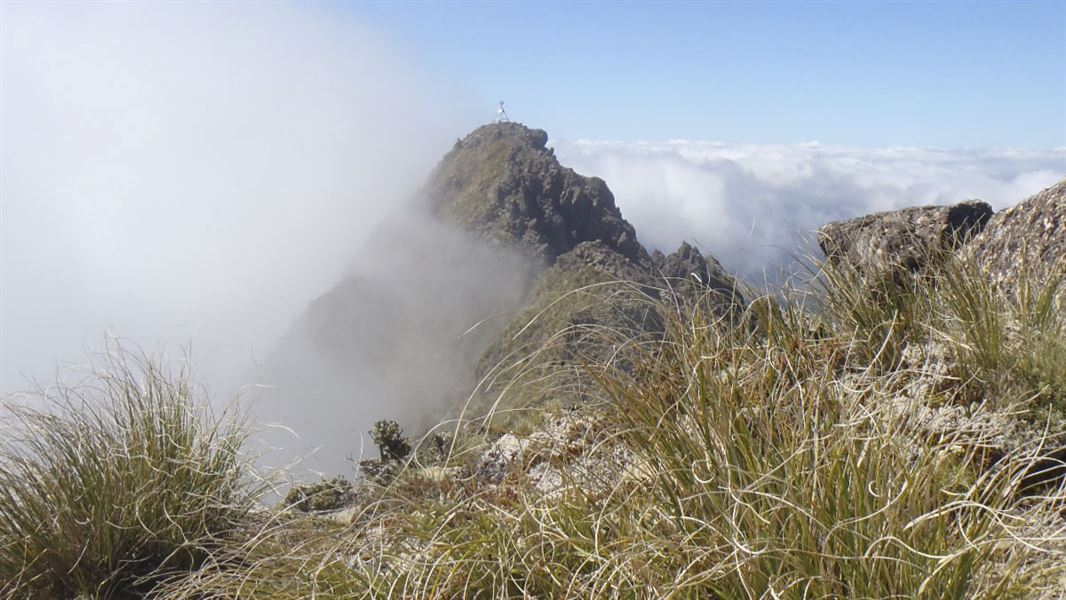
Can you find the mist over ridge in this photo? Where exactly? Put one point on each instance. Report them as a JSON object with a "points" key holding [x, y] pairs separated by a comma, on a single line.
{"points": [[396, 338], [392, 338], [355, 299]]}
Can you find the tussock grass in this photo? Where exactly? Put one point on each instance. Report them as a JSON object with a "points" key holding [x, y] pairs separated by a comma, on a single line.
{"points": [[109, 486], [786, 479], [788, 457], [850, 450]]}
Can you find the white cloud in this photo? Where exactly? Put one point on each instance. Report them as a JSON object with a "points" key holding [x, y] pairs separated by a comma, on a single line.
{"points": [[752, 205], [180, 172]]}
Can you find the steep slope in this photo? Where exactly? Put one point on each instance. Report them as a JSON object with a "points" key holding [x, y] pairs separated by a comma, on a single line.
{"points": [[592, 308]]}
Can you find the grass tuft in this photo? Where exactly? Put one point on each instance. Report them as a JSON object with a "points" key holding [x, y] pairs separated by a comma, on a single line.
{"points": [[801, 454], [110, 486], [895, 441]]}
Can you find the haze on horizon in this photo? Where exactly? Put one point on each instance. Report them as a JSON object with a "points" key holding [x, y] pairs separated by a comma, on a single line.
{"points": [[195, 174]]}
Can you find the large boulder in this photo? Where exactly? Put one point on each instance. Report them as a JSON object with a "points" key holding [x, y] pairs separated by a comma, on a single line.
{"points": [[907, 240], [1030, 236]]}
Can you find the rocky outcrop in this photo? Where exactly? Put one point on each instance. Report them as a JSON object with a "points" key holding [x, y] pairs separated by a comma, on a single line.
{"points": [[600, 287], [570, 452], [906, 240], [502, 183], [691, 276], [1026, 240]]}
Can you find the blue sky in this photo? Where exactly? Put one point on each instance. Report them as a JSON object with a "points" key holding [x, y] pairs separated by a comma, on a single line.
{"points": [[945, 74]]}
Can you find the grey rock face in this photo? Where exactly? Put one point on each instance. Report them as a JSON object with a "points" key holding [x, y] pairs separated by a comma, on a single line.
{"points": [[905, 240], [692, 275], [503, 184], [1030, 236]]}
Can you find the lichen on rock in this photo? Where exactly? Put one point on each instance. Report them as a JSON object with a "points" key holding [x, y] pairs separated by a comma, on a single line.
{"points": [[1024, 242], [888, 244]]}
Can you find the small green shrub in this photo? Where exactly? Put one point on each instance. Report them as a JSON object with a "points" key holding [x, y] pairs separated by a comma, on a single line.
{"points": [[390, 441]]}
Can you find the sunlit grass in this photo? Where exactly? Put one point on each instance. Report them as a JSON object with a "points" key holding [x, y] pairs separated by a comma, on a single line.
{"points": [[110, 485], [782, 458], [788, 452]]}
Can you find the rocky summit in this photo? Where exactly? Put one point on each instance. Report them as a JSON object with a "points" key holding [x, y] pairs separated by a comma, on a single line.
{"points": [[503, 183]]}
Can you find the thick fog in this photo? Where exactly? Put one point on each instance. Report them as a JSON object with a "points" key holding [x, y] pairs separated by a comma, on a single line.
{"points": [[396, 338], [192, 174], [755, 206]]}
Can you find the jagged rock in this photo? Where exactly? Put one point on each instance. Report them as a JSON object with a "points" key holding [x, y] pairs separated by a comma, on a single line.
{"points": [[693, 277], [1030, 236], [504, 184], [906, 240], [606, 261]]}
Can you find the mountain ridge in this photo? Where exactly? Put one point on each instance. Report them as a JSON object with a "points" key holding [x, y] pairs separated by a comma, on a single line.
{"points": [[474, 273]]}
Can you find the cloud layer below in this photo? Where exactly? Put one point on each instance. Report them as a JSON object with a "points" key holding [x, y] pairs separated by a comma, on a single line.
{"points": [[752, 206]]}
